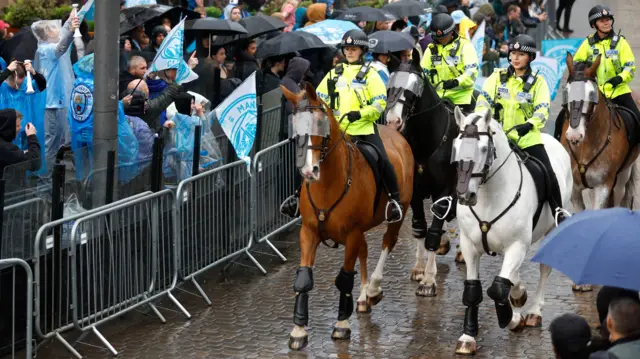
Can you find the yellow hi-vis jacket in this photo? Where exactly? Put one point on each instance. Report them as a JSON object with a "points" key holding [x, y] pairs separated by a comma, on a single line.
{"points": [[518, 106], [618, 61], [440, 63], [368, 95]]}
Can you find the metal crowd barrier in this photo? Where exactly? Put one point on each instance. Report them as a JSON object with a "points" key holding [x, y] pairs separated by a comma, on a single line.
{"points": [[273, 179], [21, 292], [214, 218], [123, 257], [53, 275]]}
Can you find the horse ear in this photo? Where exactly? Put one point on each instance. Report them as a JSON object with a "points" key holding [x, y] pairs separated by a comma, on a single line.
{"points": [[594, 65], [457, 112], [290, 96], [570, 62], [487, 116], [311, 91], [415, 58]]}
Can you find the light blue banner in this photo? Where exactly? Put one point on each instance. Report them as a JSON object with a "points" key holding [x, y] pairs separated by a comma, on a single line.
{"points": [[557, 50]]}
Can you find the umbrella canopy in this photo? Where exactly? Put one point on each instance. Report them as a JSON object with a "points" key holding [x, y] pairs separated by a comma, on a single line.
{"points": [[330, 31], [260, 24], [366, 13], [219, 26], [596, 247], [287, 43], [135, 16], [383, 42], [404, 8], [22, 46]]}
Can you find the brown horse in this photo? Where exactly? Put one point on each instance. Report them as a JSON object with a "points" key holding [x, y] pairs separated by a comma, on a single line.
{"points": [[337, 203], [596, 139]]}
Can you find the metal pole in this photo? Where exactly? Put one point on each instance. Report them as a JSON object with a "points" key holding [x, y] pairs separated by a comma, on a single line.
{"points": [[107, 55], [196, 151]]}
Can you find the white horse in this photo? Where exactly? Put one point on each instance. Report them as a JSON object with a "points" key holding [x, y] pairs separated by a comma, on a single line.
{"points": [[490, 178]]}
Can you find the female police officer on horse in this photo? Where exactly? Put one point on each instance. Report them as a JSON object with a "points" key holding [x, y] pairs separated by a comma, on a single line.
{"points": [[521, 101], [617, 63], [358, 97]]}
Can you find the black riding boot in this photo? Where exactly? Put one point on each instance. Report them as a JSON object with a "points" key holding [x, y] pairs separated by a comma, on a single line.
{"points": [[393, 211], [553, 192], [559, 124]]}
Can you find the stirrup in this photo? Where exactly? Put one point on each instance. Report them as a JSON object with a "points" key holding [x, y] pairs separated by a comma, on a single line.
{"points": [[284, 206], [449, 200], [561, 211], [397, 206]]}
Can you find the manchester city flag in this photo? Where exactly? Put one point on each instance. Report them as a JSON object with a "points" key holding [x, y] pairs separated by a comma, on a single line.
{"points": [[169, 56], [237, 115]]}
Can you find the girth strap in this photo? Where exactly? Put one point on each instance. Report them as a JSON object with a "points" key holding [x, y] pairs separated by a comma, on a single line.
{"points": [[323, 215], [486, 226]]}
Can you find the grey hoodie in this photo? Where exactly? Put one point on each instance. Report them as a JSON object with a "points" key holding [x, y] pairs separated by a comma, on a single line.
{"points": [[296, 70]]}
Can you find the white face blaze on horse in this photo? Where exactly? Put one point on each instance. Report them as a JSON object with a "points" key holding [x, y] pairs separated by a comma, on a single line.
{"points": [[402, 84], [473, 151], [306, 125], [579, 97]]}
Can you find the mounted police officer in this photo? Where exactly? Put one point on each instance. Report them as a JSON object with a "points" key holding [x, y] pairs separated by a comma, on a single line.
{"points": [[617, 63], [520, 101], [452, 61], [358, 97]]}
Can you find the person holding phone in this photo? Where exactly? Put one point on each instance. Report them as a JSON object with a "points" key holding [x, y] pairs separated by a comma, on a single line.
{"points": [[10, 153]]}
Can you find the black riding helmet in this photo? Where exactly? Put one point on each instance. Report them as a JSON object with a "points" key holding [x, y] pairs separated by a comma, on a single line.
{"points": [[599, 12], [355, 37], [441, 26], [524, 43]]}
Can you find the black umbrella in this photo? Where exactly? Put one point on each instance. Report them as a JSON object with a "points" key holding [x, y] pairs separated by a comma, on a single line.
{"points": [[404, 8], [288, 43], [366, 13], [383, 42], [22, 46], [260, 25], [132, 17], [218, 26]]}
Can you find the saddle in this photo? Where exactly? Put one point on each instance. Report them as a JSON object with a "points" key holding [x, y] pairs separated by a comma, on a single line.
{"points": [[374, 159], [540, 176], [630, 123]]}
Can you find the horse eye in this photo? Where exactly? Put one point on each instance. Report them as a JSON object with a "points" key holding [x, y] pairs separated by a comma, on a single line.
{"points": [[484, 149]]}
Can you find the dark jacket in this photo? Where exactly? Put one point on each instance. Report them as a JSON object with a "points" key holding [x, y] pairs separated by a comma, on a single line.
{"points": [[10, 154], [244, 65], [159, 104], [271, 81], [125, 78], [627, 348]]}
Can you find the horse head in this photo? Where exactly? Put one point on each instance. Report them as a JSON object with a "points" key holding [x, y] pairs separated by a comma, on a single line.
{"points": [[474, 152], [581, 96], [406, 89], [312, 123]]}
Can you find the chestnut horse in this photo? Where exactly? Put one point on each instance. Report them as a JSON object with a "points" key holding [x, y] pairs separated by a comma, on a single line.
{"points": [[596, 139], [337, 203]]}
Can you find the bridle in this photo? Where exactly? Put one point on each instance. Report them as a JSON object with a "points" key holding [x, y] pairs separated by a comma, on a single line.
{"points": [[576, 108], [394, 97]]}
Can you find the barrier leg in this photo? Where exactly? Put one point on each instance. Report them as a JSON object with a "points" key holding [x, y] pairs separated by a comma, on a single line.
{"points": [[104, 341], [157, 312], [200, 290], [255, 261], [68, 346], [276, 251], [179, 305]]}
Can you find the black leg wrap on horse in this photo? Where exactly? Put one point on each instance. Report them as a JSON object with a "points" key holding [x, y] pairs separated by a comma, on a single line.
{"points": [[471, 297], [302, 284], [432, 241], [344, 283], [499, 292]]}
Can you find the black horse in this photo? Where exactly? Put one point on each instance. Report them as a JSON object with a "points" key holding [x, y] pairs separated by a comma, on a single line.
{"points": [[427, 122]]}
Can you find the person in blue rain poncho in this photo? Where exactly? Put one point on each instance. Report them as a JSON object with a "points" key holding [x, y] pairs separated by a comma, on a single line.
{"points": [[53, 61], [81, 113], [13, 94]]}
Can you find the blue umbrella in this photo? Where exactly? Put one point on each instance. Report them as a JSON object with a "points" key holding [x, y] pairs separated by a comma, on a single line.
{"points": [[329, 31], [596, 247]]}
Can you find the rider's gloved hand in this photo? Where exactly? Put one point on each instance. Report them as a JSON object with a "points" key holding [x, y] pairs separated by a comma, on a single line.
{"points": [[523, 129], [449, 84], [354, 116], [615, 81]]}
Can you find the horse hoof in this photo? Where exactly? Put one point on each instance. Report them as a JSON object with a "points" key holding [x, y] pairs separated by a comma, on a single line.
{"points": [[581, 288], [426, 290], [519, 302], [533, 320], [341, 333], [298, 343], [417, 275], [363, 307], [459, 258], [372, 301], [521, 324], [466, 348], [444, 247]]}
